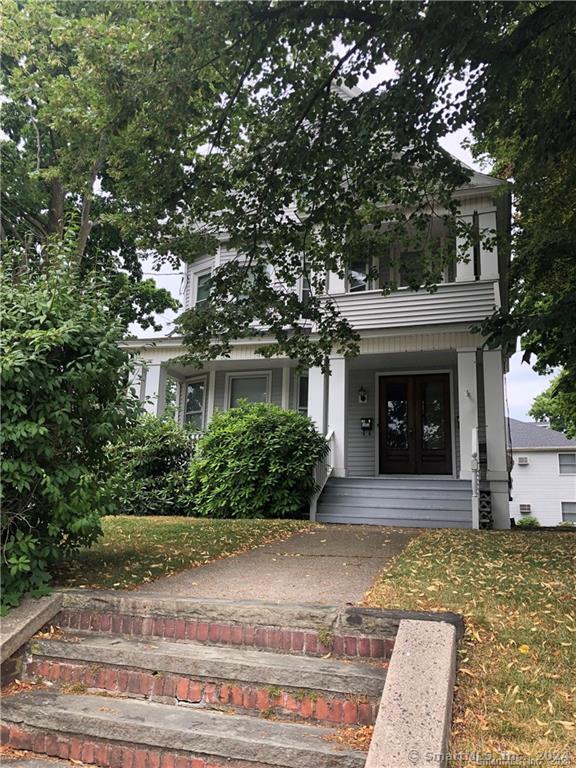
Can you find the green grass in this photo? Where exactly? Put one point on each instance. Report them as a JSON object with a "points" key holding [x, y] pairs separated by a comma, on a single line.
{"points": [[516, 684], [135, 550]]}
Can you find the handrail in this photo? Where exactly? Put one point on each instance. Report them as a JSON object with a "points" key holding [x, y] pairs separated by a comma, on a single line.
{"points": [[475, 469], [322, 472]]}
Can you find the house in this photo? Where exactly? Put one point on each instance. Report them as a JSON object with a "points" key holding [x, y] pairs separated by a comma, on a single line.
{"points": [[416, 422], [544, 473]]}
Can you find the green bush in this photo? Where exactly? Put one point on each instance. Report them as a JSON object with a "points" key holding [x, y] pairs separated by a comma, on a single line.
{"points": [[151, 468], [64, 380], [529, 521], [256, 460]]}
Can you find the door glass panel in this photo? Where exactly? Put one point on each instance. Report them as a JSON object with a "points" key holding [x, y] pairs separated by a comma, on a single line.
{"points": [[433, 430], [397, 415], [254, 389]]}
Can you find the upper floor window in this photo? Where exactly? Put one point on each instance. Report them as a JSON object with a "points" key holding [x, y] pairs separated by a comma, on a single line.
{"points": [[202, 292], [567, 462], [358, 276], [194, 406]]}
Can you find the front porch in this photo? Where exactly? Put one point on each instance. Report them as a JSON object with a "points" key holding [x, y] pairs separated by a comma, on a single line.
{"points": [[422, 410]]}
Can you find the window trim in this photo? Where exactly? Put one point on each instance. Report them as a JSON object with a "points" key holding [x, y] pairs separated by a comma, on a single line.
{"points": [[246, 375], [195, 380], [567, 453]]}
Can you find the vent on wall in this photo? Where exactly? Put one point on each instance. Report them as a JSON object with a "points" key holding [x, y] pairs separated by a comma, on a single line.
{"points": [[522, 461], [525, 509]]}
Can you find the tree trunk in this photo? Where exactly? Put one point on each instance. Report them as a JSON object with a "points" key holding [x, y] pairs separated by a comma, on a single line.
{"points": [[56, 209]]}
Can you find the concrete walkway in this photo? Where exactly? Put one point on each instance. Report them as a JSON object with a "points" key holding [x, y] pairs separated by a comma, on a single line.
{"points": [[331, 565]]}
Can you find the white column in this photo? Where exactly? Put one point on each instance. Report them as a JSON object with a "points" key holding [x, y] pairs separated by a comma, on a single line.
{"points": [[337, 393], [210, 395], [317, 398], [496, 454], [285, 402], [467, 408], [137, 383], [155, 388]]}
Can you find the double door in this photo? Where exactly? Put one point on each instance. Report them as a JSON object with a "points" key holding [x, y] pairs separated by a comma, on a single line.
{"points": [[415, 430]]}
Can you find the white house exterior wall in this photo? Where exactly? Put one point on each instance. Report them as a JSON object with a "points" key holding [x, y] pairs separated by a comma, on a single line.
{"points": [[541, 485]]}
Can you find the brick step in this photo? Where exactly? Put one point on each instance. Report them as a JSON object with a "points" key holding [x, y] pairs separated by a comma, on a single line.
{"points": [[293, 688], [301, 630], [118, 732]]}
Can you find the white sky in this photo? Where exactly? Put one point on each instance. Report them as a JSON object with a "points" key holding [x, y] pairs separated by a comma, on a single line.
{"points": [[522, 383]]}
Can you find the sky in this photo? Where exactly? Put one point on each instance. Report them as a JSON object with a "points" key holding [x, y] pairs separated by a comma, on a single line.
{"points": [[522, 383]]}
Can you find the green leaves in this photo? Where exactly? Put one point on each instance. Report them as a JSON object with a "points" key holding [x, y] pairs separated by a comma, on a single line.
{"points": [[64, 379], [255, 460]]}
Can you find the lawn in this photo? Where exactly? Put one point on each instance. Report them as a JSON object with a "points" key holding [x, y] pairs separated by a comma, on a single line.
{"points": [[134, 550], [516, 684]]}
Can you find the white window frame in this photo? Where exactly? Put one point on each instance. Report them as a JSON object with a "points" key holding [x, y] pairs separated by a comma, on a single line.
{"points": [[566, 453], [195, 284], [195, 380], [246, 375]]}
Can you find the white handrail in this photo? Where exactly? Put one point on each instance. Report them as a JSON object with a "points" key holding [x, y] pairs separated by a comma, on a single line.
{"points": [[475, 468], [322, 472]]}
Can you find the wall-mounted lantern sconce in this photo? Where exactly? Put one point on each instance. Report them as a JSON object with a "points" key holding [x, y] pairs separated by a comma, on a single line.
{"points": [[362, 396]]}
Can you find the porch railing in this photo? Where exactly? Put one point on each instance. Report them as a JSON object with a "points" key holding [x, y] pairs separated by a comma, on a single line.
{"points": [[475, 468], [322, 472]]}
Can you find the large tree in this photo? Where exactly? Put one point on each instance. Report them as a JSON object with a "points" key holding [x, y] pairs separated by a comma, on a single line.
{"points": [[302, 178], [103, 112]]}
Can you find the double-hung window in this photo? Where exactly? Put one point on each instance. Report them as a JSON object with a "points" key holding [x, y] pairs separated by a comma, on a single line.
{"points": [[567, 462], [195, 403], [202, 291], [303, 394]]}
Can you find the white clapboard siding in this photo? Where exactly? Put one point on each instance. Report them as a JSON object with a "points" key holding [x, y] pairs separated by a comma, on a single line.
{"points": [[451, 303], [540, 484]]}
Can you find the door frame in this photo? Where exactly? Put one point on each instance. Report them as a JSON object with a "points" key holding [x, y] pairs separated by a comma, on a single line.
{"points": [[378, 375]]}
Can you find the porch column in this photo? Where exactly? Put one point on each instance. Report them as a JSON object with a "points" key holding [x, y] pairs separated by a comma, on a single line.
{"points": [[337, 394], [137, 383], [155, 388], [496, 453], [286, 387], [210, 395], [467, 408], [317, 398]]}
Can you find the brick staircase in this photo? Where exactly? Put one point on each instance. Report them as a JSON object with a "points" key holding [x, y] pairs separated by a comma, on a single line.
{"points": [[144, 682]]}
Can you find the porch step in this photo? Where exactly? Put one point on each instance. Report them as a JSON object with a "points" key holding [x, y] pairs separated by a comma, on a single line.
{"points": [[112, 732], [287, 687], [399, 501]]}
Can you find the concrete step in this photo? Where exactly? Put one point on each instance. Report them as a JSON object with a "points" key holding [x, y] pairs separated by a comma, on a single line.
{"points": [[113, 732], [288, 687]]}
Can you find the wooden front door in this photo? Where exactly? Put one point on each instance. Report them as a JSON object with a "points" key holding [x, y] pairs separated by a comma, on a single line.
{"points": [[414, 425]]}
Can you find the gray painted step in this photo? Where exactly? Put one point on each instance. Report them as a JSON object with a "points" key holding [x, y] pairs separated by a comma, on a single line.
{"points": [[359, 516], [212, 662], [399, 501], [171, 728]]}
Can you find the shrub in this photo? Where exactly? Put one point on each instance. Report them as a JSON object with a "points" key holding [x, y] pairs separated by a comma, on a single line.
{"points": [[151, 468], [64, 382], [566, 524], [256, 460], [529, 521]]}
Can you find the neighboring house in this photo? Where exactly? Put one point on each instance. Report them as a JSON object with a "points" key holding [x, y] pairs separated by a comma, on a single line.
{"points": [[544, 473], [402, 417]]}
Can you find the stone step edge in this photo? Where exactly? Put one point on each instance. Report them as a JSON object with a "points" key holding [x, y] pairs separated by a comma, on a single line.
{"points": [[353, 619], [333, 709]]}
